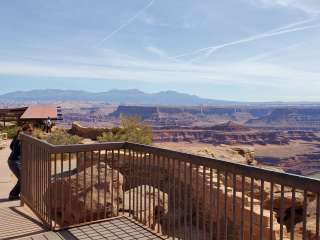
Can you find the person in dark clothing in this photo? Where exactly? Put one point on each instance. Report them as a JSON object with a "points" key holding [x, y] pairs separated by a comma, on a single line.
{"points": [[48, 125], [14, 161]]}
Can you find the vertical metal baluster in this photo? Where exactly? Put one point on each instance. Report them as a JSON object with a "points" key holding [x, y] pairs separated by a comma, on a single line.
{"points": [[44, 180], [40, 181], [261, 209], [242, 206], [234, 187], [77, 189], [225, 205], [49, 188], [85, 185], [118, 181], [36, 178], [305, 210], [212, 204], [271, 211], [190, 201], [62, 191], [56, 190], [140, 184], [197, 201], [185, 200], [145, 170], [105, 183], [150, 179], [163, 192], [154, 194], [204, 203], [69, 181], [125, 181], [169, 197], [179, 198], [218, 205], [318, 217], [134, 184], [130, 182], [99, 184], [174, 198], [251, 208], [112, 181], [281, 212], [157, 196], [293, 212], [91, 187]]}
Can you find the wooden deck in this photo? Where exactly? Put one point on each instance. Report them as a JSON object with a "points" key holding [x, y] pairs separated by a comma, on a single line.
{"points": [[19, 223], [114, 229]]}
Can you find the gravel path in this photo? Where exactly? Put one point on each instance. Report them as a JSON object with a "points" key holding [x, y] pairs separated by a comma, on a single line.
{"points": [[7, 179]]}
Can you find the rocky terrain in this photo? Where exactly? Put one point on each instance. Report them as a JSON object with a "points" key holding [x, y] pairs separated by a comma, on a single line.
{"points": [[232, 138]]}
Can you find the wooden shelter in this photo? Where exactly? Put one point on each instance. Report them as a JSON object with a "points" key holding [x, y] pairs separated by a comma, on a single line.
{"points": [[11, 114], [40, 113]]}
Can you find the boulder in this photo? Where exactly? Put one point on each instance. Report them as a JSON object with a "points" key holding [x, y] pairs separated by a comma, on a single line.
{"points": [[87, 132], [82, 198]]}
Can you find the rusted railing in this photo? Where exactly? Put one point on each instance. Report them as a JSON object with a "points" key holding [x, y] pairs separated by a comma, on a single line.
{"points": [[177, 195]]}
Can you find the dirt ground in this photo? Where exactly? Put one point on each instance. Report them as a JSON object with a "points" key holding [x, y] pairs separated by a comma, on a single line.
{"points": [[7, 179]]}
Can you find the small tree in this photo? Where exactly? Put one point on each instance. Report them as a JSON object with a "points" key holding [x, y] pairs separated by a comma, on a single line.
{"points": [[131, 130]]}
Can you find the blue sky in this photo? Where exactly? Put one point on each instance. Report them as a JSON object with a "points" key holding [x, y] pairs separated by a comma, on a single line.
{"points": [[248, 50]]}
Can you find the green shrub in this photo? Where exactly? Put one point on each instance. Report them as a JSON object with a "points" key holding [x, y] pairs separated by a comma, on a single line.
{"points": [[40, 134], [131, 130], [10, 130], [61, 137]]}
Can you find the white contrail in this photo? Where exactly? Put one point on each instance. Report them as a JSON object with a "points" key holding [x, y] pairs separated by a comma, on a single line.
{"points": [[268, 34], [126, 23], [291, 25], [261, 36]]}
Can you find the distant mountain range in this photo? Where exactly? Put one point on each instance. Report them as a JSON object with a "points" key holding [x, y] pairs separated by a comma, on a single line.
{"points": [[129, 97]]}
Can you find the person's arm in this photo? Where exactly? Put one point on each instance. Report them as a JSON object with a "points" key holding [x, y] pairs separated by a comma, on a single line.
{"points": [[13, 142]]}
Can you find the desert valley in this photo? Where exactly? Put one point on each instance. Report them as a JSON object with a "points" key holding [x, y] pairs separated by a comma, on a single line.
{"points": [[283, 136]]}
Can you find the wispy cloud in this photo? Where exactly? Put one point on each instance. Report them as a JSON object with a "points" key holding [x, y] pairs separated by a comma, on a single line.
{"points": [[275, 32], [161, 72], [311, 7], [125, 24], [157, 51], [274, 52]]}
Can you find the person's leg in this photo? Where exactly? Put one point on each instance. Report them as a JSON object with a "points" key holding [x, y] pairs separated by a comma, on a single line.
{"points": [[15, 168]]}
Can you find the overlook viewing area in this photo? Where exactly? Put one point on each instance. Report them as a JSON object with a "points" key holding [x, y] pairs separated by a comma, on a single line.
{"points": [[130, 191]]}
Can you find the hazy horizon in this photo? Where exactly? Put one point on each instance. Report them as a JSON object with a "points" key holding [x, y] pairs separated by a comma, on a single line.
{"points": [[238, 50], [231, 101]]}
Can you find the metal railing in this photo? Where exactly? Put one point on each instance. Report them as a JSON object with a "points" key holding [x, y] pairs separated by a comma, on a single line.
{"points": [[178, 195]]}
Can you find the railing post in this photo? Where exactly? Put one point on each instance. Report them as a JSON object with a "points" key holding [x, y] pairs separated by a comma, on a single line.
{"points": [[22, 171]]}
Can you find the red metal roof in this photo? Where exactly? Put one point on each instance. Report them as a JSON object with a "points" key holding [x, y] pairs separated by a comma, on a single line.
{"points": [[40, 112]]}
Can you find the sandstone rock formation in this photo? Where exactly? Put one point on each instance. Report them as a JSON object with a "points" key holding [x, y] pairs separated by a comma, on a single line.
{"points": [[87, 132], [81, 197]]}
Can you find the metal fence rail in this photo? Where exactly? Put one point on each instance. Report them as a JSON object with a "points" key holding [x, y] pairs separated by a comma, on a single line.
{"points": [[178, 195]]}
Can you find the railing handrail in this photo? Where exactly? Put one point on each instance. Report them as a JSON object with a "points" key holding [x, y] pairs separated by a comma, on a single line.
{"points": [[74, 147], [287, 179]]}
